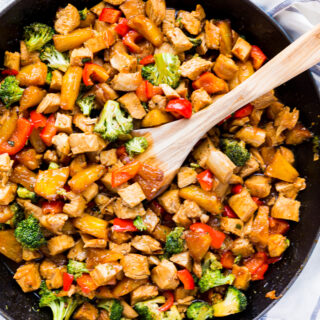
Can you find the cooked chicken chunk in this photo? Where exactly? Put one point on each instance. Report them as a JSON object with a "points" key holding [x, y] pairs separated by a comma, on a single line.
{"points": [[189, 22], [7, 193], [126, 81], [182, 259], [170, 201], [285, 208], [165, 276], [78, 252], [258, 186], [212, 35], [135, 266], [242, 247], [61, 142], [144, 292], [277, 244], [122, 211], [200, 99], [123, 62], [186, 176], [150, 220], [243, 277], [132, 8], [67, 19], [225, 67], [169, 20], [194, 67], [50, 103], [156, 10], [132, 104], [82, 142], [132, 195], [179, 40], [54, 222], [86, 312], [232, 225], [60, 244], [103, 273], [63, 123], [78, 55], [146, 244], [28, 277]]}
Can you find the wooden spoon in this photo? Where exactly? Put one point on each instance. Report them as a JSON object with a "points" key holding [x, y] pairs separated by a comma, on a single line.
{"points": [[172, 142]]}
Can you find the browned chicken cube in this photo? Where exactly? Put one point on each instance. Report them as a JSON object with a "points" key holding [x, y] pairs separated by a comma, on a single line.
{"points": [[186, 176], [225, 67], [86, 312], [156, 10], [232, 225], [260, 227], [285, 208], [103, 273], [146, 244], [189, 22], [7, 193], [132, 104], [150, 220], [258, 186], [165, 276], [77, 55], [135, 266], [212, 35], [194, 67], [144, 292], [67, 19], [179, 40], [122, 211], [182, 259], [132, 8], [277, 244], [170, 201], [126, 81], [60, 244], [242, 247], [200, 99], [252, 135], [241, 49], [243, 277], [82, 142], [28, 277], [78, 252]]}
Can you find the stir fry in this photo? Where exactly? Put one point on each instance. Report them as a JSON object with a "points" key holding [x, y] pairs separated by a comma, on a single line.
{"points": [[78, 212]]}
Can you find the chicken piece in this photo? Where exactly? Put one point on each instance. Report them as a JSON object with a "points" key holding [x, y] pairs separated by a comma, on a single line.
{"points": [[212, 35], [104, 93], [86, 312], [27, 57], [241, 49], [54, 222], [290, 190], [128, 311], [277, 244], [251, 166], [170, 201], [232, 225], [132, 104], [144, 292], [49, 104], [169, 92], [286, 119], [132, 195], [63, 123], [242, 247], [30, 208], [7, 193], [265, 101], [67, 19], [12, 60], [200, 99], [78, 252], [243, 205], [158, 102], [91, 192], [258, 186], [124, 212], [5, 163], [123, 62], [79, 55], [260, 227], [287, 154], [243, 277], [60, 244], [189, 22], [132, 8], [194, 67], [61, 142], [298, 135], [56, 80], [202, 47], [123, 248], [126, 81], [285, 208], [76, 206], [85, 124], [182, 259], [108, 157], [146, 244], [169, 20], [255, 117], [188, 210], [150, 220], [202, 151], [135, 266], [100, 41], [91, 242], [156, 10], [179, 40], [165, 276], [186, 176], [103, 273], [114, 2], [82, 142], [28, 254], [52, 273], [252, 135], [120, 237], [28, 277], [225, 67]]}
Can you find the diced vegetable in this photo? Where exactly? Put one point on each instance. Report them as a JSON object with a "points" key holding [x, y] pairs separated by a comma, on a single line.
{"points": [[91, 225], [257, 56], [94, 71], [180, 107], [217, 237], [209, 82]]}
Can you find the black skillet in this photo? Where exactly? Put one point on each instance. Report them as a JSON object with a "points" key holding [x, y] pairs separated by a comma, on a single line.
{"points": [[300, 92]]}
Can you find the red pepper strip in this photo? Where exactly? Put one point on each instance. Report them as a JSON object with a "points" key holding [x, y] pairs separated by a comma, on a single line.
{"points": [[109, 15], [217, 237], [123, 225], [244, 111], [205, 178], [227, 260], [123, 155], [157, 208], [86, 283], [237, 188], [18, 139], [130, 41], [38, 120], [257, 201], [125, 173], [145, 91], [277, 226], [182, 107], [255, 262], [9, 72], [273, 260], [67, 279], [52, 207], [186, 278], [92, 70], [259, 274], [169, 303], [228, 212], [147, 60], [49, 131], [257, 56], [224, 120], [122, 27]]}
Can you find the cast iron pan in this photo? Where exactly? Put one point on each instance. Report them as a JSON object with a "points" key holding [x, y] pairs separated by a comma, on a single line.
{"points": [[301, 92]]}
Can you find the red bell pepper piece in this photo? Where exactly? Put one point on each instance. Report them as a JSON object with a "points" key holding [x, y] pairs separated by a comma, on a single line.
{"points": [[145, 91], [227, 260], [237, 188], [52, 207], [18, 139], [273, 260], [123, 225], [257, 201], [228, 212], [95, 72], [49, 131], [157, 208], [109, 15], [255, 262], [122, 27], [67, 279], [180, 107], [147, 60], [9, 72], [123, 155], [186, 278], [278, 226], [169, 302], [209, 82], [259, 274], [125, 173], [38, 120], [257, 56], [86, 283], [244, 111], [205, 178], [225, 119], [217, 237], [130, 41]]}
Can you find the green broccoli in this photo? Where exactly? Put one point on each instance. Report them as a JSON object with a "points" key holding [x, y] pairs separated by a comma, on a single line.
{"points": [[83, 14], [164, 71], [18, 214], [53, 165], [174, 242], [136, 145], [195, 41], [29, 234], [234, 302], [113, 307], [61, 307], [112, 122], [214, 278], [199, 310], [37, 35], [149, 310], [10, 92], [138, 223], [49, 77], [76, 268], [172, 314], [86, 104], [210, 262], [237, 152], [54, 58], [24, 193]]}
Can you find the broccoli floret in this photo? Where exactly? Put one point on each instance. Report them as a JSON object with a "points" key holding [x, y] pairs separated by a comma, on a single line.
{"points": [[24, 193], [199, 310], [138, 223], [234, 302], [112, 122], [54, 58], [10, 92], [49, 77], [195, 41], [214, 278], [164, 71], [237, 153], [83, 14], [29, 234], [174, 242], [18, 214], [149, 310], [62, 307], [210, 262], [86, 104], [37, 35], [113, 307], [172, 314], [53, 165], [136, 145], [76, 268]]}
